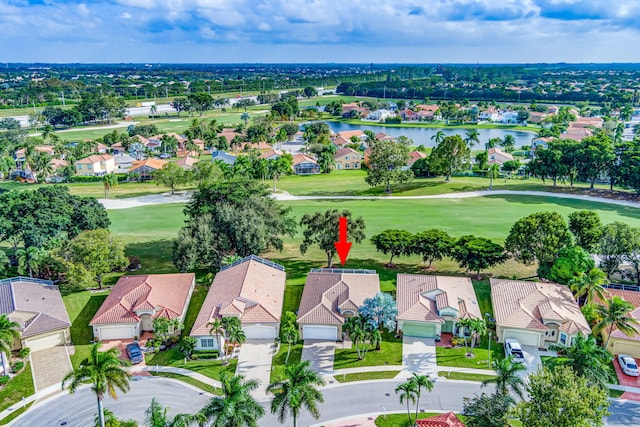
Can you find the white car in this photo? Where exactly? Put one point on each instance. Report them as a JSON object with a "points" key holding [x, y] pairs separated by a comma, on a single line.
{"points": [[512, 349], [628, 365]]}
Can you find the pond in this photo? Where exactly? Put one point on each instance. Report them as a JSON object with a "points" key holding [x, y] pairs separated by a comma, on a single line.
{"points": [[423, 135]]}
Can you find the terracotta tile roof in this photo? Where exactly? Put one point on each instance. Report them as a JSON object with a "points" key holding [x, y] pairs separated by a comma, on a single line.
{"points": [[327, 292], [251, 289], [347, 134], [345, 151], [300, 158], [58, 163], [340, 141], [430, 108], [631, 297], [526, 305], [96, 158], [168, 294], [141, 139], [443, 420], [39, 303], [270, 153], [414, 156], [150, 163], [186, 162], [421, 297]]}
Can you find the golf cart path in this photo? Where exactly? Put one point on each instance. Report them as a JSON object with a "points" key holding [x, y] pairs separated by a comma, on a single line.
{"points": [[185, 197]]}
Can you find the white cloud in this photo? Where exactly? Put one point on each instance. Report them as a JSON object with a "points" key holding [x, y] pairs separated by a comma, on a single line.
{"points": [[264, 26], [125, 15]]}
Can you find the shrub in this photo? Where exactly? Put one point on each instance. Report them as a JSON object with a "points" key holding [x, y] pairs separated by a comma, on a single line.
{"points": [[457, 341], [4, 380], [24, 352], [17, 367]]}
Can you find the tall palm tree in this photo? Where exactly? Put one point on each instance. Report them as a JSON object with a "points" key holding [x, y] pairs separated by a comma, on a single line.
{"points": [[110, 182], [289, 334], [104, 371], [473, 138], [156, 416], [420, 381], [4, 262], [28, 259], [590, 284], [588, 359], [407, 392], [493, 172], [110, 419], [438, 137], [9, 333], [507, 377], [245, 118], [217, 330], [615, 314], [41, 166], [235, 407], [233, 330], [298, 389]]}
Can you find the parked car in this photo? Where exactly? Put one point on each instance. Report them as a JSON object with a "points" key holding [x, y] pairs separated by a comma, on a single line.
{"points": [[628, 365], [512, 349], [134, 353]]}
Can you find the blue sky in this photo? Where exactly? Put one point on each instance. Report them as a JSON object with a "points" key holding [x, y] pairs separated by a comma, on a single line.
{"points": [[410, 31]]}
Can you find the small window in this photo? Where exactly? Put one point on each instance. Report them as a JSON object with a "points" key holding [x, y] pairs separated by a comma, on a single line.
{"points": [[208, 342], [563, 338]]}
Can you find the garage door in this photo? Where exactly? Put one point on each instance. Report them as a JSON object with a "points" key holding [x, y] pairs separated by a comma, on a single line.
{"points": [[48, 341], [422, 330], [320, 332], [523, 337], [631, 349], [259, 331], [116, 332]]}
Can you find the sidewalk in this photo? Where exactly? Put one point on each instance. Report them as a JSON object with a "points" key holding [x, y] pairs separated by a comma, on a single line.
{"points": [[179, 371]]}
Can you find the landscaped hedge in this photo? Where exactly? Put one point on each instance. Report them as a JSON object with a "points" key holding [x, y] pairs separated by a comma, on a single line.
{"points": [[206, 354], [120, 176]]}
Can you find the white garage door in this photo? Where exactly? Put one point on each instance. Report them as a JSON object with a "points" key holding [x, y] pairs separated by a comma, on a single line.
{"points": [[632, 349], [116, 332], [259, 331], [48, 341], [319, 332], [523, 337]]}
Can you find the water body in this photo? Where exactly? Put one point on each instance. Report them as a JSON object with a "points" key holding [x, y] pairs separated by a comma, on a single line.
{"points": [[423, 135]]}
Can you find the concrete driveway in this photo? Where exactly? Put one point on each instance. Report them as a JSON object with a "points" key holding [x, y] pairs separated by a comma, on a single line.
{"points": [[49, 367], [418, 356], [532, 359], [254, 362], [320, 353]]}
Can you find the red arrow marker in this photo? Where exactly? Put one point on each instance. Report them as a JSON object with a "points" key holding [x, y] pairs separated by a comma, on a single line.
{"points": [[342, 246]]}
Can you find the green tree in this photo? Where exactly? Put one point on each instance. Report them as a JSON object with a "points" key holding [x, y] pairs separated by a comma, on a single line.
{"points": [[538, 237], [508, 143], [432, 245], [596, 154], [615, 313], [561, 398], [477, 253], [393, 242], [616, 241], [438, 137], [472, 138], [4, 262], [588, 359], [171, 175], [156, 416], [104, 371], [448, 156], [29, 259], [299, 389], [187, 345], [571, 262], [245, 118], [322, 229], [487, 410], [586, 228], [388, 163], [363, 335], [508, 377], [110, 181], [235, 407], [420, 382], [407, 391], [590, 284], [216, 329], [9, 334], [289, 332], [493, 172]]}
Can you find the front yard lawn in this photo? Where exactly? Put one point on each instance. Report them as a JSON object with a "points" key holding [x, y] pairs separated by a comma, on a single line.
{"points": [[277, 363], [457, 356], [20, 386], [464, 376], [365, 376], [202, 386], [209, 368], [82, 306], [390, 353]]}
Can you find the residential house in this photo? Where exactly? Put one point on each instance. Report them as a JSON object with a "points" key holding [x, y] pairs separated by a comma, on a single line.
{"points": [[379, 115], [100, 148], [347, 158], [123, 162], [408, 115], [576, 133], [553, 109], [348, 135], [414, 156], [619, 343], [37, 306], [147, 167], [340, 141], [329, 297], [187, 163], [540, 143], [223, 157], [448, 419], [491, 114], [135, 301], [429, 306], [305, 165], [251, 289], [536, 314], [271, 154], [20, 155], [498, 157], [428, 112], [537, 117], [381, 136], [96, 165], [509, 117]]}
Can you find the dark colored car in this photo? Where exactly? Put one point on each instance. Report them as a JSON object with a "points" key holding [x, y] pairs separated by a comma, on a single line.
{"points": [[134, 353]]}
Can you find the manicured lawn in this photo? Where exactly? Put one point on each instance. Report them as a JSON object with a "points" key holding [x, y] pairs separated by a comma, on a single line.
{"points": [[464, 376], [365, 376], [15, 414], [402, 420], [82, 306], [457, 356], [390, 353], [615, 393], [20, 386], [202, 386], [277, 364], [209, 368], [197, 299]]}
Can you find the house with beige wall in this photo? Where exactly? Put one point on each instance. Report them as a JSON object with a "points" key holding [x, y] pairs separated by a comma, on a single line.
{"points": [[96, 165]]}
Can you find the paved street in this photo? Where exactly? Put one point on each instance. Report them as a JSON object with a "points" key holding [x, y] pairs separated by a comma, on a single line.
{"points": [[254, 361]]}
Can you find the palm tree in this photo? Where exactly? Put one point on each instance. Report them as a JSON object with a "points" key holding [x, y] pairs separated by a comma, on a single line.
{"points": [[28, 259], [298, 389], [110, 419], [473, 138], [245, 118], [110, 182], [477, 328], [507, 377], [104, 371], [235, 407], [438, 137], [420, 381], [216, 329], [590, 284], [41, 166], [9, 333], [233, 330], [4, 262], [156, 416], [588, 359], [493, 172], [153, 110], [615, 314], [407, 393], [290, 334]]}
